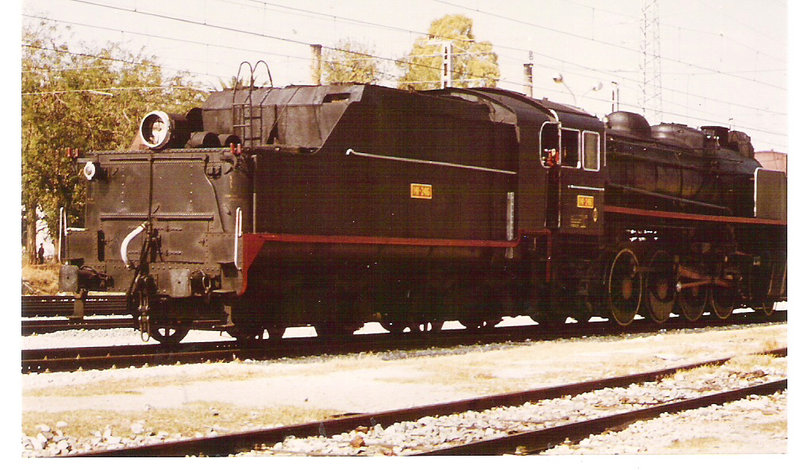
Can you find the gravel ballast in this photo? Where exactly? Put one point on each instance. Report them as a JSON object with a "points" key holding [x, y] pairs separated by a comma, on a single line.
{"points": [[110, 408]]}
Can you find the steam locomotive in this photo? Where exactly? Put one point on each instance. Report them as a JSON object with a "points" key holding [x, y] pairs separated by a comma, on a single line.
{"points": [[334, 205]]}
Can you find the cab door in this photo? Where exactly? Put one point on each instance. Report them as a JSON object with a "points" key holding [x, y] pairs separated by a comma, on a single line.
{"points": [[581, 181]]}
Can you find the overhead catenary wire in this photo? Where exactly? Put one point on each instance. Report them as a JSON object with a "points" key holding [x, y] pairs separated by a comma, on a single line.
{"points": [[400, 61], [385, 75], [605, 43], [371, 56]]}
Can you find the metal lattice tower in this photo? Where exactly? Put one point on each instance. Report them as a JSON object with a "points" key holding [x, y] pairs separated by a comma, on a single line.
{"points": [[650, 66]]}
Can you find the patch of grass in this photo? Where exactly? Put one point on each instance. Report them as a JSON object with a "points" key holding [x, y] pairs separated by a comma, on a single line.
{"points": [[195, 417], [135, 385], [755, 361], [41, 278], [697, 444], [778, 427]]}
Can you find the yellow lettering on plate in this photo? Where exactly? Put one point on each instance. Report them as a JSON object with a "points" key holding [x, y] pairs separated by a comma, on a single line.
{"points": [[585, 202], [421, 191]]}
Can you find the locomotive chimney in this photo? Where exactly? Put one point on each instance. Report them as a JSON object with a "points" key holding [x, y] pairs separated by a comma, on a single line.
{"points": [[316, 64]]}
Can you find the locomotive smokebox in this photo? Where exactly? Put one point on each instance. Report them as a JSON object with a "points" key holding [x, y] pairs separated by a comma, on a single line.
{"points": [[160, 130]]}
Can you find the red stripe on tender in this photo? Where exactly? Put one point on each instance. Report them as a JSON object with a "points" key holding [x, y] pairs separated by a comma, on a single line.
{"points": [[360, 240], [685, 216], [253, 243]]}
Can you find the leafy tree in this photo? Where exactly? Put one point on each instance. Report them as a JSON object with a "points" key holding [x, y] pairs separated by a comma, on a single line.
{"points": [[87, 100], [474, 63], [349, 62], [233, 82]]}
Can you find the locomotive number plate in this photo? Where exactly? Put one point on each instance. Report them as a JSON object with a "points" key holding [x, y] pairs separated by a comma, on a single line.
{"points": [[421, 191], [585, 202]]}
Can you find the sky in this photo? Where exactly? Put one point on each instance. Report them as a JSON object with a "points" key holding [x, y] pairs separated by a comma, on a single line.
{"points": [[722, 63]]}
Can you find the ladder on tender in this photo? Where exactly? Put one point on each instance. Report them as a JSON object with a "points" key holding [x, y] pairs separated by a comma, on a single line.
{"points": [[247, 119]]}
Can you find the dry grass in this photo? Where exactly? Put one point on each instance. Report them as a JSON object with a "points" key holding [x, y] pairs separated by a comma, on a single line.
{"points": [[134, 386], [778, 427], [195, 417], [42, 278], [754, 361], [696, 444]]}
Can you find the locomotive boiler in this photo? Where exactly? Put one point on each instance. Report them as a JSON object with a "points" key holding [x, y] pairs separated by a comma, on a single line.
{"points": [[339, 204]]}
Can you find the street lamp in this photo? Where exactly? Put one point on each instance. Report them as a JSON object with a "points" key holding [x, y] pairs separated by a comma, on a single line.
{"points": [[597, 87], [558, 78]]}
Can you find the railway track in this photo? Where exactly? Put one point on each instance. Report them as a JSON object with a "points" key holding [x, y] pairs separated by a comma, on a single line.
{"points": [[30, 327], [72, 359], [265, 440], [63, 305]]}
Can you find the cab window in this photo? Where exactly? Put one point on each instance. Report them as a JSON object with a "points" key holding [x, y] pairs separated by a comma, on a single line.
{"points": [[570, 149], [591, 151], [549, 144]]}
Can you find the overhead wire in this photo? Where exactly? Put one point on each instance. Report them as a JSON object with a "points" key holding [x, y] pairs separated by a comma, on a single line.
{"points": [[390, 60], [309, 12], [605, 43]]}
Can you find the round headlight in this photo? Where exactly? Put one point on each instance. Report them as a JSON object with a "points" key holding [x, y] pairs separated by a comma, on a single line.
{"points": [[160, 130], [155, 129], [89, 170]]}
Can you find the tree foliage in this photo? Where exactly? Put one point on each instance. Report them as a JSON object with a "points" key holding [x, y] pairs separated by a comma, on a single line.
{"points": [[349, 62], [474, 63], [89, 100]]}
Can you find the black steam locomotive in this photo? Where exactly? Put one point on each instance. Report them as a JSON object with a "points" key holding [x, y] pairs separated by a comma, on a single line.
{"points": [[335, 205]]}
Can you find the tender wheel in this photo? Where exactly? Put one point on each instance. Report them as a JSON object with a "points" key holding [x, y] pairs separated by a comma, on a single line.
{"points": [[548, 321], [169, 334], [479, 325], [692, 302], [582, 312], [761, 283], [394, 327], [624, 287], [723, 301], [766, 308], [659, 290], [275, 332], [427, 327], [247, 334], [334, 329]]}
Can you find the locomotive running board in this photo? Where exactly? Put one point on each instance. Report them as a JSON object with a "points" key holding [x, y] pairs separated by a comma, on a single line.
{"points": [[686, 216]]}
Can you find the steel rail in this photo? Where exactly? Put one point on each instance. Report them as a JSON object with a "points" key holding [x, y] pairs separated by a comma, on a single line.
{"points": [[63, 305], [246, 441], [100, 357], [532, 442], [72, 359], [30, 327]]}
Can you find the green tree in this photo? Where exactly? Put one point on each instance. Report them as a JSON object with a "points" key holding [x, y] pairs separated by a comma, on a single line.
{"points": [[349, 62], [89, 100], [233, 82], [474, 63]]}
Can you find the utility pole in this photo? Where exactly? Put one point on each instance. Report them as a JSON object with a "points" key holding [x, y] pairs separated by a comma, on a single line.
{"points": [[316, 64], [447, 64], [529, 75], [651, 59]]}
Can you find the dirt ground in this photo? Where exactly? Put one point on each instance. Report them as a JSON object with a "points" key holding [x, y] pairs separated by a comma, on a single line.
{"points": [[197, 399]]}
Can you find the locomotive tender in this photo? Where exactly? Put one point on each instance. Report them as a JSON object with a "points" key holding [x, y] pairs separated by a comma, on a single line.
{"points": [[340, 204]]}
